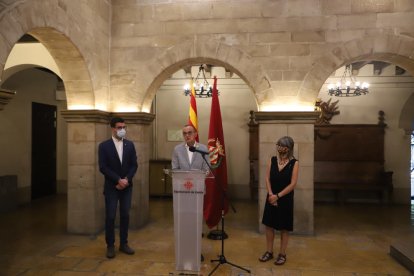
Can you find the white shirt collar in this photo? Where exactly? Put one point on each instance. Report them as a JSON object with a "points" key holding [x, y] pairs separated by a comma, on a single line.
{"points": [[187, 146], [116, 140]]}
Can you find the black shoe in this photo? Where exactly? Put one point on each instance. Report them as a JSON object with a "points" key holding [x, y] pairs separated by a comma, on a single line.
{"points": [[110, 252], [126, 249], [202, 258]]}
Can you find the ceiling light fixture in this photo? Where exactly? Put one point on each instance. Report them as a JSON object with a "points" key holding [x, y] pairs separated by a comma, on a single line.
{"points": [[202, 88], [348, 86]]}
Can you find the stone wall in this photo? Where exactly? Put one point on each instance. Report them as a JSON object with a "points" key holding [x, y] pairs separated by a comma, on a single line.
{"points": [[284, 50]]}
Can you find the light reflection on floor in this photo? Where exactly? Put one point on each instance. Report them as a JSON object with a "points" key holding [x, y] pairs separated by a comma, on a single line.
{"points": [[350, 239]]}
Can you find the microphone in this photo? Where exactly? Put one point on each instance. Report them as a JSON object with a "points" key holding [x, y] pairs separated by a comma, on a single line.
{"points": [[194, 149]]}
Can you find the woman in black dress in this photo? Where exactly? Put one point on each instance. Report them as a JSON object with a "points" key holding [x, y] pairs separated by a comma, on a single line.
{"points": [[281, 179]]}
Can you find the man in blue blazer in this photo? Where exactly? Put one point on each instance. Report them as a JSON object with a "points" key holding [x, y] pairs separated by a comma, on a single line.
{"points": [[118, 163]]}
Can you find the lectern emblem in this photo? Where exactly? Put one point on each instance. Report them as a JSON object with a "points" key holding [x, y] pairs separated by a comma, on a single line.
{"points": [[188, 185]]}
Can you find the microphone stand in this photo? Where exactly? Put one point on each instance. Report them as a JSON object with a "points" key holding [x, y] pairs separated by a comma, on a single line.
{"points": [[221, 258]]}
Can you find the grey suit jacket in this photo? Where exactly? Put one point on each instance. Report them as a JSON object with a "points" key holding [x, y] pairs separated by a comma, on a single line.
{"points": [[180, 161]]}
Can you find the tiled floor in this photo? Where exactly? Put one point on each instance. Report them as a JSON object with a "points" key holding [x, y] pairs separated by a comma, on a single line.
{"points": [[349, 240]]}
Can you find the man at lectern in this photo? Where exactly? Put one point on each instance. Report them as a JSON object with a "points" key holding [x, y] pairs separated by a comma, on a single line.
{"points": [[190, 155]]}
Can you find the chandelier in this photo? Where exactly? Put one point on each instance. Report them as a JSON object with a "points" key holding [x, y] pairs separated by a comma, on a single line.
{"points": [[202, 88], [348, 86]]}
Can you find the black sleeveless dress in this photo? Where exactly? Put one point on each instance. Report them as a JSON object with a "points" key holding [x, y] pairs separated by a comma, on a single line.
{"points": [[280, 217]]}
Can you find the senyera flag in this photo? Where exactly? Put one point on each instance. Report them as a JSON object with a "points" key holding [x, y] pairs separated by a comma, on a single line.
{"points": [[215, 199], [192, 114]]}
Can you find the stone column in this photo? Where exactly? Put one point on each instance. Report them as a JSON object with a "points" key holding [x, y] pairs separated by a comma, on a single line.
{"points": [[86, 129], [139, 131], [299, 126]]}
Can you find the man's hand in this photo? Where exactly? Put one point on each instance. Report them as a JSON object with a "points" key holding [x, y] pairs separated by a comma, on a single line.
{"points": [[122, 184]]}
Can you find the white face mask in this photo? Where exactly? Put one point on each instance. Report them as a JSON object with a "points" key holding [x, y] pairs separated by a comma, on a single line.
{"points": [[121, 133]]}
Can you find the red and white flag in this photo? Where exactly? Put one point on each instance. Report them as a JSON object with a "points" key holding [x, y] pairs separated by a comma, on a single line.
{"points": [[215, 199]]}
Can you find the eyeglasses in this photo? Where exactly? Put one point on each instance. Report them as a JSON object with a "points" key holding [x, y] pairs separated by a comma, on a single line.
{"points": [[187, 133], [120, 127]]}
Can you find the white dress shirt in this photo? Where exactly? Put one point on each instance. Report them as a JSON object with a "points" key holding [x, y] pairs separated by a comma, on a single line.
{"points": [[119, 145], [190, 153]]}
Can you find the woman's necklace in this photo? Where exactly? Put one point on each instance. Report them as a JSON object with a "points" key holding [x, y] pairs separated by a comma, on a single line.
{"points": [[283, 162]]}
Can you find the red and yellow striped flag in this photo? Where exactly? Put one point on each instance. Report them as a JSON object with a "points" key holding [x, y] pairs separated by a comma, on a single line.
{"points": [[192, 116]]}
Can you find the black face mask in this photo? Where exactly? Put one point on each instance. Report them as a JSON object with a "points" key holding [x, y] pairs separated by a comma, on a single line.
{"points": [[282, 150]]}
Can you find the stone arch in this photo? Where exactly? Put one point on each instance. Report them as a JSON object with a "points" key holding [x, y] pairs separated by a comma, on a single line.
{"points": [[41, 20], [17, 68], [75, 74], [389, 48], [210, 52], [394, 49], [38, 56]]}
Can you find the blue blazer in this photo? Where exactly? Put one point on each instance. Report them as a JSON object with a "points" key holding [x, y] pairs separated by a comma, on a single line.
{"points": [[110, 165]]}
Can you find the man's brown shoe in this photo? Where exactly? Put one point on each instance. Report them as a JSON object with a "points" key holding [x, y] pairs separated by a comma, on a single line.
{"points": [[126, 249], [110, 252]]}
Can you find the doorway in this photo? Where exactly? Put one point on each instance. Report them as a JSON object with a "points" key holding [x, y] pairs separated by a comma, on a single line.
{"points": [[43, 150]]}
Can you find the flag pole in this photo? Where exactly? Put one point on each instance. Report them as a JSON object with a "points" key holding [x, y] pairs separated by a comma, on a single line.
{"points": [[221, 258], [219, 185], [217, 234]]}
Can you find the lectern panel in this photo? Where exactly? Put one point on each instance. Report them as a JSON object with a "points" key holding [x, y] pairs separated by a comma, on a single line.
{"points": [[188, 196]]}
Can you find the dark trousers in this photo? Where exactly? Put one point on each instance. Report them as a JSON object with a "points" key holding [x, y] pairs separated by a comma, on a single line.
{"points": [[111, 202]]}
